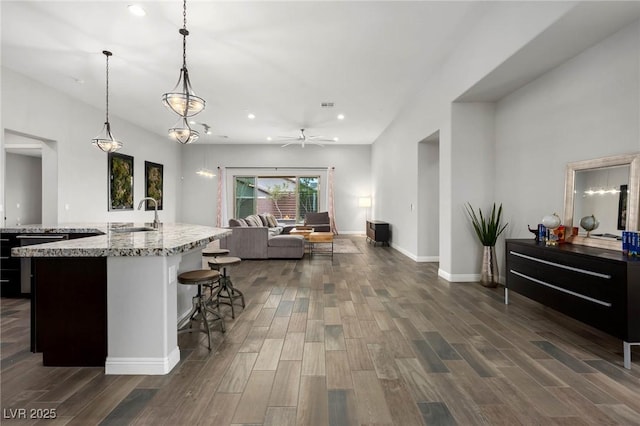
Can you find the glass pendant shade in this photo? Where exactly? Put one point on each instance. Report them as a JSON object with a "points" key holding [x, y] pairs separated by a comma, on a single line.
{"points": [[185, 103], [105, 140], [183, 133]]}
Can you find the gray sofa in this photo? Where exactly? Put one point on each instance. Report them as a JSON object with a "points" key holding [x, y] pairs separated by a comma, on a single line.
{"points": [[261, 242]]}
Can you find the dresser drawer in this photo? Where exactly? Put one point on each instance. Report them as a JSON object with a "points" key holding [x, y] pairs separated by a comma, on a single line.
{"points": [[605, 283]]}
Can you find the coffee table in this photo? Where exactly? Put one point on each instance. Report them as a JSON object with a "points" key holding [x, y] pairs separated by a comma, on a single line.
{"points": [[323, 238], [301, 231]]}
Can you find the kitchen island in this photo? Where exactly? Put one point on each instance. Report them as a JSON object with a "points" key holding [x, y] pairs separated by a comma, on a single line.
{"points": [[112, 299]]}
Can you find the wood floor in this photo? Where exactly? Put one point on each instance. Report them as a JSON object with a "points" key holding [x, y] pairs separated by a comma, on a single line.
{"points": [[370, 338]]}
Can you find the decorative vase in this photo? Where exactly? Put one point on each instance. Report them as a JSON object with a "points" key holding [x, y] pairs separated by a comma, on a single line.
{"points": [[489, 275]]}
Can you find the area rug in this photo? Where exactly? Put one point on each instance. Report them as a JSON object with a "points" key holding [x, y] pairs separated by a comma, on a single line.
{"points": [[344, 245]]}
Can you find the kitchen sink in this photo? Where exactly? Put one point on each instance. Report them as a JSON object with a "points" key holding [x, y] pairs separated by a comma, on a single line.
{"points": [[133, 229]]}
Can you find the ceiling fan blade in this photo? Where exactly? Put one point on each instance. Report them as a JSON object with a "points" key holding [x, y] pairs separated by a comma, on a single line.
{"points": [[287, 144]]}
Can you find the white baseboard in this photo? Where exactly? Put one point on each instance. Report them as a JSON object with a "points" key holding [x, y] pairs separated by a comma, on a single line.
{"points": [[405, 252], [458, 278], [151, 366], [428, 259], [361, 233]]}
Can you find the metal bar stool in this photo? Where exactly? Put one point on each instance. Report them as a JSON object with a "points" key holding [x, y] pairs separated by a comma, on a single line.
{"points": [[214, 252], [226, 285], [201, 277]]}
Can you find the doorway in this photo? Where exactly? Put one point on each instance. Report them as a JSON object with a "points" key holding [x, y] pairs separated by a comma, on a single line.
{"points": [[30, 180], [429, 198]]}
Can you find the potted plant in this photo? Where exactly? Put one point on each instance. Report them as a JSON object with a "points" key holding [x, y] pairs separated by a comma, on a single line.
{"points": [[488, 229]]}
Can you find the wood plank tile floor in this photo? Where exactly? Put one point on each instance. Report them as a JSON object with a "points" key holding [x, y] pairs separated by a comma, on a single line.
{"points": [[369, 338]]}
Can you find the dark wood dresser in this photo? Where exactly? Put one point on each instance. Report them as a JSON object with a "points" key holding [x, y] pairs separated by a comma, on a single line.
{"points": [[596, 286], [378, 232]]}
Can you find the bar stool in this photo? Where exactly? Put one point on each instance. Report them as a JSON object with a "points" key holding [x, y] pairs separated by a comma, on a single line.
{"points": [[225, 282], [214, 252], [201, 277]]}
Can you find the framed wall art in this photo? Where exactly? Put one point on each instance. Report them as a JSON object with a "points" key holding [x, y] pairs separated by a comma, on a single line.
{"points": [[153, 184], [120, 181]]}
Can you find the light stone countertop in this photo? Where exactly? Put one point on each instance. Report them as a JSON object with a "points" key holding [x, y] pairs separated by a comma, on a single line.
{"points": [[170, 239]]}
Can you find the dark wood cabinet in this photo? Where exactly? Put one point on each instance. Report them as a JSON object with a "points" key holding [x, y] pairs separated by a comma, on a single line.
{"points": [[69, 333], [9, 266], [378, 232], [596, 286]]}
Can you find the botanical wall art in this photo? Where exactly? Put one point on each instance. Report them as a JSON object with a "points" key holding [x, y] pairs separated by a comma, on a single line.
{"points": [[153, 184], [120, 182]]}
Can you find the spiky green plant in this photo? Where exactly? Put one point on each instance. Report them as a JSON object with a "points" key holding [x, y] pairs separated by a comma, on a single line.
{"points": [[488, 229]]}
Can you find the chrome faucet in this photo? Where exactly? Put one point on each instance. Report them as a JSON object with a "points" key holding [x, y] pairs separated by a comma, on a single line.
{"points": [[156, 221]]}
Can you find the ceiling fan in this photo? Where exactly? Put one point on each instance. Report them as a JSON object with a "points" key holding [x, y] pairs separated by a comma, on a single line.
{"points": [[303, 139]]}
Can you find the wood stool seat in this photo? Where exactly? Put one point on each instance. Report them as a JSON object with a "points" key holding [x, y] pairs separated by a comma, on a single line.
{"points": [[198, 276], [226, 286], [200, 304], [215, 252]]}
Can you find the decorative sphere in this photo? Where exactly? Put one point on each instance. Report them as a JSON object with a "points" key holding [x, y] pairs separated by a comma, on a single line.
{"points": [[551, 221], [589, 223]]}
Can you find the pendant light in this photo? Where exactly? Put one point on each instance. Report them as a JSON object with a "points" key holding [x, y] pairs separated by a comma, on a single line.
{"points": [[185, 103], [183, 133], [105, 140]]}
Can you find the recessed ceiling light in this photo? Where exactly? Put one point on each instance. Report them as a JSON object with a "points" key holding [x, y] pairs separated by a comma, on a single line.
{"points": [[269, 138], [136, 10], [340, 116], [335, 139], [251, 116], [192, 121]]}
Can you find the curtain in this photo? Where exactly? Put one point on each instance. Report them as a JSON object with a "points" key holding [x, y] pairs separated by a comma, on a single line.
{"points": [[222, 219], [330, 206]]}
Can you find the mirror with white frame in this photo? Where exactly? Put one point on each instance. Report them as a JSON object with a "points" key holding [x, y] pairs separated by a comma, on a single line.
{"points": [[608, 189]]}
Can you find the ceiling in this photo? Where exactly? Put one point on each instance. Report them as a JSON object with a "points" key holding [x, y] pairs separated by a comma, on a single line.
{"points": [[277, 60]]}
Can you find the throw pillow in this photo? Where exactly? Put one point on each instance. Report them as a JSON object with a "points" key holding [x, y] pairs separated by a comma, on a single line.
{"points": [[271, 219], [263, 219], [253, 220]]}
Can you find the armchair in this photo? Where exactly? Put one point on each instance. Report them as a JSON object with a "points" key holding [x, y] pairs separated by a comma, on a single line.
{"points": [[320, 222]]}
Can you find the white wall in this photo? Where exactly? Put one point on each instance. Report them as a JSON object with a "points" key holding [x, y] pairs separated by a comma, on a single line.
{"points": [[24, 196], [498, 34], [587, 108], [33, 109], [352, 176]]}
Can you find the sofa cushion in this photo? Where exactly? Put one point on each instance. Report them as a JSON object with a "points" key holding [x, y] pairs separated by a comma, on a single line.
{"points": [[263, 219], [253, 220], [271, 220], [286, 241], [233, 223], [276, 230]]}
